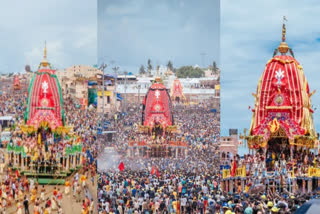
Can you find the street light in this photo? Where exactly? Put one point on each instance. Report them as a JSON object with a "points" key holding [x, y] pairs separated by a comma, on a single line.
{"points": [[139, 87], [115, 69], [125, 90], [102, 67]]}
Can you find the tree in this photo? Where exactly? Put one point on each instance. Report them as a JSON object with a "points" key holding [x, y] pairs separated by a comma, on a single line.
{"points": [[115, 69], [170, 66], [189, 71], [142, 70], [215, 69], [149, 66], [214, 66]]}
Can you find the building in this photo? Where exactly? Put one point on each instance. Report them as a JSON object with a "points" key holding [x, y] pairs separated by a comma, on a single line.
{"points": [[134, 89], [78, 90], [107, 102], [74, 71], [74, 80], [229, 145]]}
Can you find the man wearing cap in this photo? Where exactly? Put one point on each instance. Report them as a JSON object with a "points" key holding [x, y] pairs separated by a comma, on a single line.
{"points": [[274, 210]]}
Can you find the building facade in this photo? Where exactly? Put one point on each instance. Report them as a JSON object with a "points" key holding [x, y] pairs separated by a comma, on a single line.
{"points": [[74, 80]]}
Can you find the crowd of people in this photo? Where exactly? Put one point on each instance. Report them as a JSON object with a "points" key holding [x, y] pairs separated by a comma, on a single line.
{"points": [[188, 184], [193, 184], [159, 185], [175, 191], [20, 194]]}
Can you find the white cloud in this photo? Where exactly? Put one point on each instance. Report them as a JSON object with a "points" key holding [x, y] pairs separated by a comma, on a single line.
{"points": [[87, 37], [55, 54], [128, 8], [68, 27], [159, 30]]}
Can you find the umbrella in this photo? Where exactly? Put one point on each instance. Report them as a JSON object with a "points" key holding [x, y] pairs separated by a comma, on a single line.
{"points": [[310, 207]]}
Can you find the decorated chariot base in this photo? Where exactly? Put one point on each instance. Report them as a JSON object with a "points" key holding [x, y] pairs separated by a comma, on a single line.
{"points": [[158, 148], [51, 156], [305, 179]]}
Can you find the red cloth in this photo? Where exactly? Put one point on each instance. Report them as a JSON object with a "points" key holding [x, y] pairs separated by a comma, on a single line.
{"points": [[45, 94], [158, 174], [153, 170], [157, 107], [234, 167], [121, 167], [282, 85]]}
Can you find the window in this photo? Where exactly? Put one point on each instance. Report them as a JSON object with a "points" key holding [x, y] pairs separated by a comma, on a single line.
{"points": [[108, 99]]}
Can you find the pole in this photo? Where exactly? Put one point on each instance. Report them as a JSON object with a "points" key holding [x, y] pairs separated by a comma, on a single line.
{"points": [[139, 86], [125, 91], [103, 94], [102, 67], [115, 69]]}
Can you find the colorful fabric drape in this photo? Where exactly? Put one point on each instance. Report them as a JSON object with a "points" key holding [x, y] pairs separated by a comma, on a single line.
{"points": [[157, 108], [283, 93]]}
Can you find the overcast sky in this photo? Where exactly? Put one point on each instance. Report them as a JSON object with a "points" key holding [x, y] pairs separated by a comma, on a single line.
{"points": [[250, 31], [68, 26], [130, 32]]}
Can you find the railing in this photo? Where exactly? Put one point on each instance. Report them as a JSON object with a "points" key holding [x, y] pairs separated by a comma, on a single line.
{"points": [[170, 143], [240, 172], [226, 173], [313, 172]]}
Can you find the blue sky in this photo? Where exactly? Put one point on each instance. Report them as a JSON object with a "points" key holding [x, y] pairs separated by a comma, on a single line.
{"points": [[130, 32], [68, 26], [250, 31]]}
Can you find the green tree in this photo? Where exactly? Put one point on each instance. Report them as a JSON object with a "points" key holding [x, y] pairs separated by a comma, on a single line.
{"points": [[149, 66], [142, 70], [189, 71], [214, 66]]}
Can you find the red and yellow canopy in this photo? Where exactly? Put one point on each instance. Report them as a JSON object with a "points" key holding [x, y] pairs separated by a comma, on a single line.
{"points": [[282, 100]]}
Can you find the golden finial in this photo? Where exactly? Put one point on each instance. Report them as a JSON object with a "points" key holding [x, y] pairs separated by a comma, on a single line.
{"points": [[158, 78], [45, 49], [284, 29], [283, 47], [44, 61]]}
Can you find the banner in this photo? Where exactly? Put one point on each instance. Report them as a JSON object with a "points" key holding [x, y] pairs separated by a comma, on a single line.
{"points": [[119, 97], [106, 93], [92, 96]]}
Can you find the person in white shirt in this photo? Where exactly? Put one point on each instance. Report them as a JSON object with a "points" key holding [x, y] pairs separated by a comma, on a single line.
{"points": [[183, 204]]}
